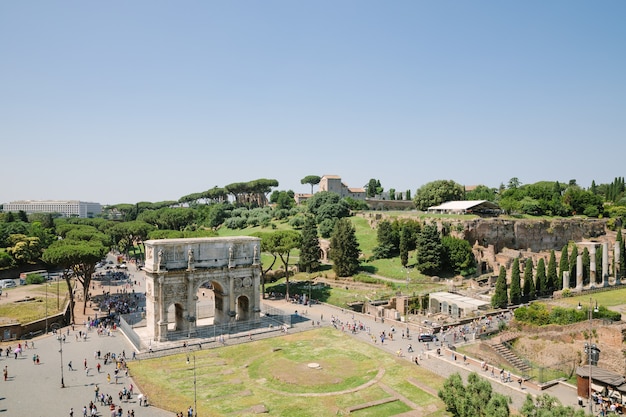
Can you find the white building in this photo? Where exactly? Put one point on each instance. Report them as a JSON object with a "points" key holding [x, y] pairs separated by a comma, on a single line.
{"points": [[68, 208], [455, 305], [480, 207]]}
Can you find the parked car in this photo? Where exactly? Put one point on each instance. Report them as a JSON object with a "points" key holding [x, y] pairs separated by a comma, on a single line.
{"points": [[425, 337], [7, 283]]}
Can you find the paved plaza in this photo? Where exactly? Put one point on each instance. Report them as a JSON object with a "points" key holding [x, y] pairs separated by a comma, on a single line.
{"points": [[33, 389]]}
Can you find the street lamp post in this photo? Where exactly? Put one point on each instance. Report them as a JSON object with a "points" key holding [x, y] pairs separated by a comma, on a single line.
{"points": [[57, 329], [408, 277], [308, 278], [589, 346], [46, 284], [195, 404]]}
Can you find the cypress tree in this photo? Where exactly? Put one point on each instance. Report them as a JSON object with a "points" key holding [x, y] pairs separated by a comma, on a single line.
{"points": [[622, 258], [22, 216], [516, 290], [599, 277], [387, 242], [344, 249], [541, 286], [586, 266], [404, 245], [552, 276], [529, 285], [621, 272], [310, 248], [500, 298], [429, 250], [572, 266], [563, 266]]}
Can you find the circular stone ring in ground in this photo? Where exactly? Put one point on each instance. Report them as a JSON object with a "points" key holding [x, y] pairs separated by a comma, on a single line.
{"points": [[375, 380]]}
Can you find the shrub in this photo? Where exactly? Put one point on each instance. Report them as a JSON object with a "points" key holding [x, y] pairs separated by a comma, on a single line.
{"points": [[297, 222], [281, 214], [539, 315], [326, 228], [235, 223], [35, 279]]}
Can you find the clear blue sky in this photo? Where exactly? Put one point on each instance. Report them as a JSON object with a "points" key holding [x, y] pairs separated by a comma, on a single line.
{"points": [[126, 101]]}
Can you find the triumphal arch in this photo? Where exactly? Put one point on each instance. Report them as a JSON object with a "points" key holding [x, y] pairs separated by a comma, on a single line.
{"points": [[176, 268]]}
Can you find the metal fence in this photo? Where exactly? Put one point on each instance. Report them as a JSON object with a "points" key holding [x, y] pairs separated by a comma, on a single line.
{"points": [[127, 328], [544, 374], [270, 320]]}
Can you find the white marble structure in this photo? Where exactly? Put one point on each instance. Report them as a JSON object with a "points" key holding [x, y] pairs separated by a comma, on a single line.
{"points": [[176, 268], [579, 271]]}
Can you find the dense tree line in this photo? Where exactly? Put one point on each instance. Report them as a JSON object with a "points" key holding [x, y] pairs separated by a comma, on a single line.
{"points": [[542, 279], [434, 253], [544, 198], [23, 239], [476, 399]]}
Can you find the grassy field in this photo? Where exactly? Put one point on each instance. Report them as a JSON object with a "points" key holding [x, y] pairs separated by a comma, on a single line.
{"points": [[275, 373], [16, 308], [612, 298]]}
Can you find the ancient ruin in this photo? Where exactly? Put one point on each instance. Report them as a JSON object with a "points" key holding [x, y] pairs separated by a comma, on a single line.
{"points": [[176, 268]]}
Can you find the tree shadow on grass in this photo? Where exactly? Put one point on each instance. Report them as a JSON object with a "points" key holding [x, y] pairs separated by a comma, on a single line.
{"points": [[319, 292], [370, 269]]}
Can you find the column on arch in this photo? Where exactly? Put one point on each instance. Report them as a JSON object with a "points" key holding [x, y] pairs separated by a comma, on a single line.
{"points": [[232, 308], [162, 323], [222, 300], [256, 285], [191, 301]]}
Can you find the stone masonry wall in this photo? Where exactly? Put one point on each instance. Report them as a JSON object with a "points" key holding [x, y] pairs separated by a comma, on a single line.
{"points": [[535, 235]]}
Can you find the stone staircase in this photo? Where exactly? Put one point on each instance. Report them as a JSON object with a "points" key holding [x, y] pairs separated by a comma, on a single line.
{"points": [[500, 345]]}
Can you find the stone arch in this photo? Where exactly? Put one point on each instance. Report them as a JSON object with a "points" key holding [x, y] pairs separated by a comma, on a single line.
{"points": [[180, 318], [243, 308], [221, 303], [176, 268]]}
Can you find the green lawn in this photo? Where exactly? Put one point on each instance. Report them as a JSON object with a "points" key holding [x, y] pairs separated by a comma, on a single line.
{"points": [[275, 373], [38, 304], [614, 297]]}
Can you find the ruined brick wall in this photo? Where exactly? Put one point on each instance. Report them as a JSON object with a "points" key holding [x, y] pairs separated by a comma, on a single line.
{"points": [[534, 235]]}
